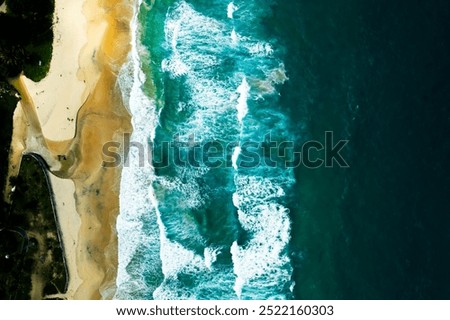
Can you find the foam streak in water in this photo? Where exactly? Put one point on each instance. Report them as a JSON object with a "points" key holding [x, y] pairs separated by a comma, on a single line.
{"points": [[242, 108], [230, 10], [234, 37]]}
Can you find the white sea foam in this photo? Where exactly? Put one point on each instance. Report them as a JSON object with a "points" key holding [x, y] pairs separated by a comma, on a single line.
{"points": [[177, 259], [175, 30], [235, 199], [174, 258], [235, 156], [264, 255], [234, 37], [260, 48], [174, 66], [210, 255], [184, 29], [244, 91], [231, 9], [196, 44]]}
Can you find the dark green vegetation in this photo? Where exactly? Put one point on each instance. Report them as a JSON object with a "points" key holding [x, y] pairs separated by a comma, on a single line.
{"points": [[29, 242], [8, 102], [374, 72], [26, 37]]}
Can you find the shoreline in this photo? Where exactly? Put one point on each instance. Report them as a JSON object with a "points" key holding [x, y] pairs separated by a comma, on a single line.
{"points": [[84, 92]]}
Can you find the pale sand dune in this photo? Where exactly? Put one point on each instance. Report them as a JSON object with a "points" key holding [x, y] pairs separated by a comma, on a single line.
{"points": [[95, 36], [61, 93], [64, 191]]}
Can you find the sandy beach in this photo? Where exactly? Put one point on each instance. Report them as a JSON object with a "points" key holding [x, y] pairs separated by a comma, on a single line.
{"points": [[66, 118], [61, 93]]}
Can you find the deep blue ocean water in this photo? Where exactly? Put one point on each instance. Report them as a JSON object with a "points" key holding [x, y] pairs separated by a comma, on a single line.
{"points": [[372, 72]]}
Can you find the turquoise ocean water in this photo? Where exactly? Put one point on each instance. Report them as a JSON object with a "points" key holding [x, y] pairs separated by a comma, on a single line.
{"points": [[207, 71]]}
